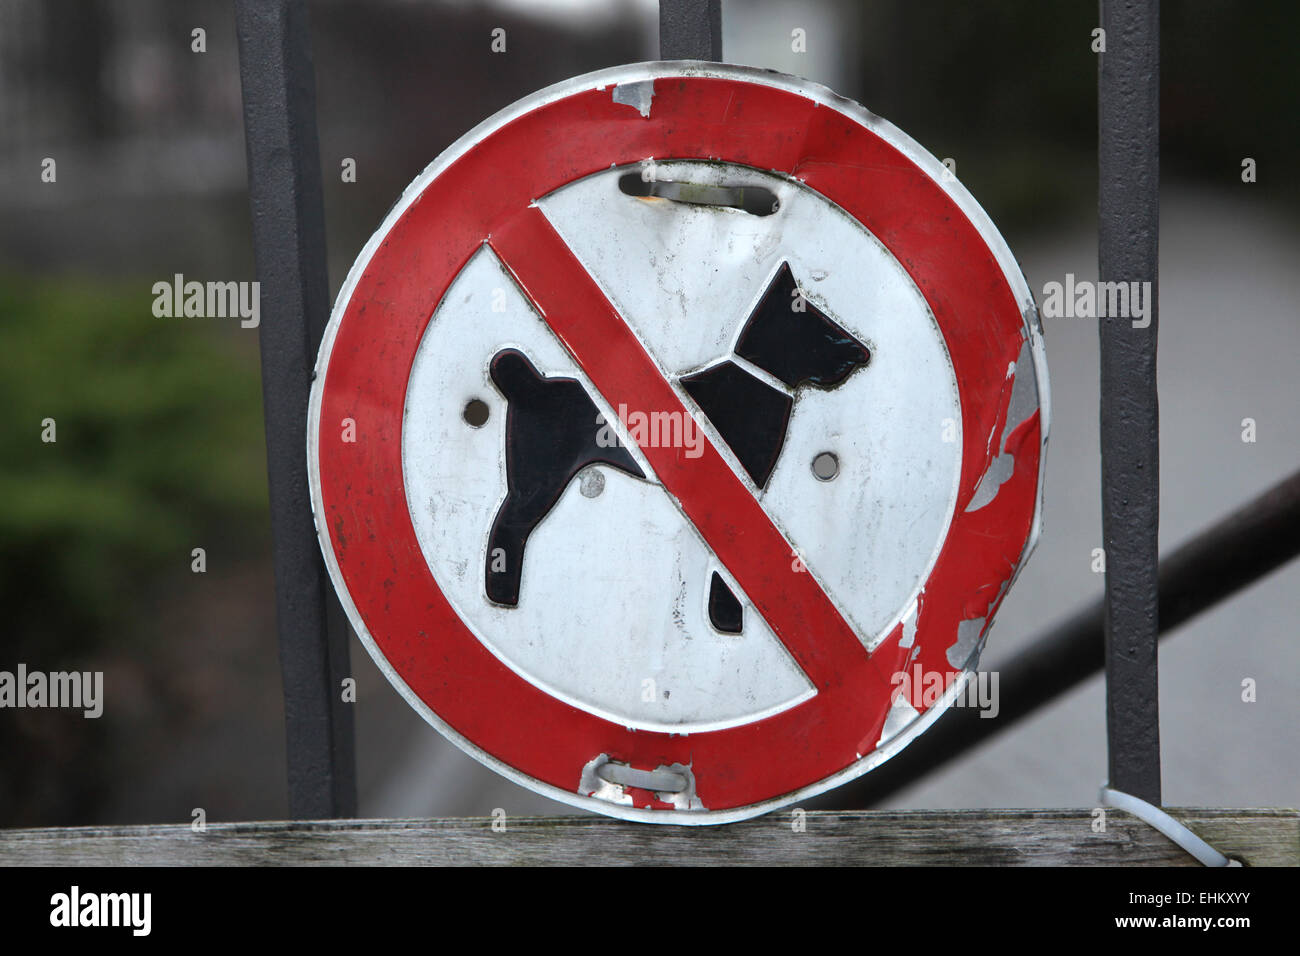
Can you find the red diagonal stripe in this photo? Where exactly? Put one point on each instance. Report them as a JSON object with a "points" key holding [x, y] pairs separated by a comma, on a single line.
{"points": [[728, 516]]}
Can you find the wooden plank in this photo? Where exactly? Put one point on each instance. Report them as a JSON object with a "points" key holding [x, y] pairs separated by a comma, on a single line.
{"points": [[1269, 837]]}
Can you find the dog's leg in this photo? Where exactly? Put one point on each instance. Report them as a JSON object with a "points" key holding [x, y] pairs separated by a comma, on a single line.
{"points": [[514, 522], [725, 612]]}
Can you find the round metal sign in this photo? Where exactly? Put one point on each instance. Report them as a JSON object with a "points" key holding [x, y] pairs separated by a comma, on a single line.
{"points": [[675, 439]]}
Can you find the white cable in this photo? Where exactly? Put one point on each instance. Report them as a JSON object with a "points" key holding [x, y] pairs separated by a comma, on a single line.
{"points": [[1167, 825]]}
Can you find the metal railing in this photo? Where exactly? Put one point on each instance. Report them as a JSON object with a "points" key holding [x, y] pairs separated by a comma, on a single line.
{"points": [[1128, 239]]}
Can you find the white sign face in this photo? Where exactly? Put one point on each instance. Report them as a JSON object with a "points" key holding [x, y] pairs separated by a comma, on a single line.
{"points": [[690, 408], [616, 580]]}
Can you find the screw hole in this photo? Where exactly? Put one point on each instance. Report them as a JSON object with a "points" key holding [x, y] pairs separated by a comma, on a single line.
{"points": [[591, 482], [825, 466], [476, 413]]}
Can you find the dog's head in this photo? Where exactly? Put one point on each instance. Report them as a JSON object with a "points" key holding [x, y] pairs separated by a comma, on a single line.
{"points": [[794, 340]]}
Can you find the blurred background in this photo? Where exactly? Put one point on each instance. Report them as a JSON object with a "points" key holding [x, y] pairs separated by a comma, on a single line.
{"points": [[160, 442]]}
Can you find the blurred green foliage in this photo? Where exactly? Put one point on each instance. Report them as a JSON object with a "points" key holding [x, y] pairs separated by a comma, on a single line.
{"points": [[159, 450]]}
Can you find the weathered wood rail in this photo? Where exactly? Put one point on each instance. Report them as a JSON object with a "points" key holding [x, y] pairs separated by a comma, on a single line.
{"points": [[1269, 837]]}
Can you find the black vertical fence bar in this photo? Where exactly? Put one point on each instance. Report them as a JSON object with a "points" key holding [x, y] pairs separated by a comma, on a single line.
{"points": [[284, 184], [1128, 240], [690, 29]]}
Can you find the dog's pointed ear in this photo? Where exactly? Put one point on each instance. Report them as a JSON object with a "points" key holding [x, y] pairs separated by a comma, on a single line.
{"points": [[797, 342]]}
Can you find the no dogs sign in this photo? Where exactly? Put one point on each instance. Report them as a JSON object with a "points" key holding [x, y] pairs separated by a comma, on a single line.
{"points": [[677, 418]]}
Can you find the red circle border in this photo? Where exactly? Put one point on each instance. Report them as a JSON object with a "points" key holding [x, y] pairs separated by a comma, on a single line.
{"points": [[366, 365]]}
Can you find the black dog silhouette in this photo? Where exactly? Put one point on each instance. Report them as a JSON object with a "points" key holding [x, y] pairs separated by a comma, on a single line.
{"points": [[550, 435]]}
